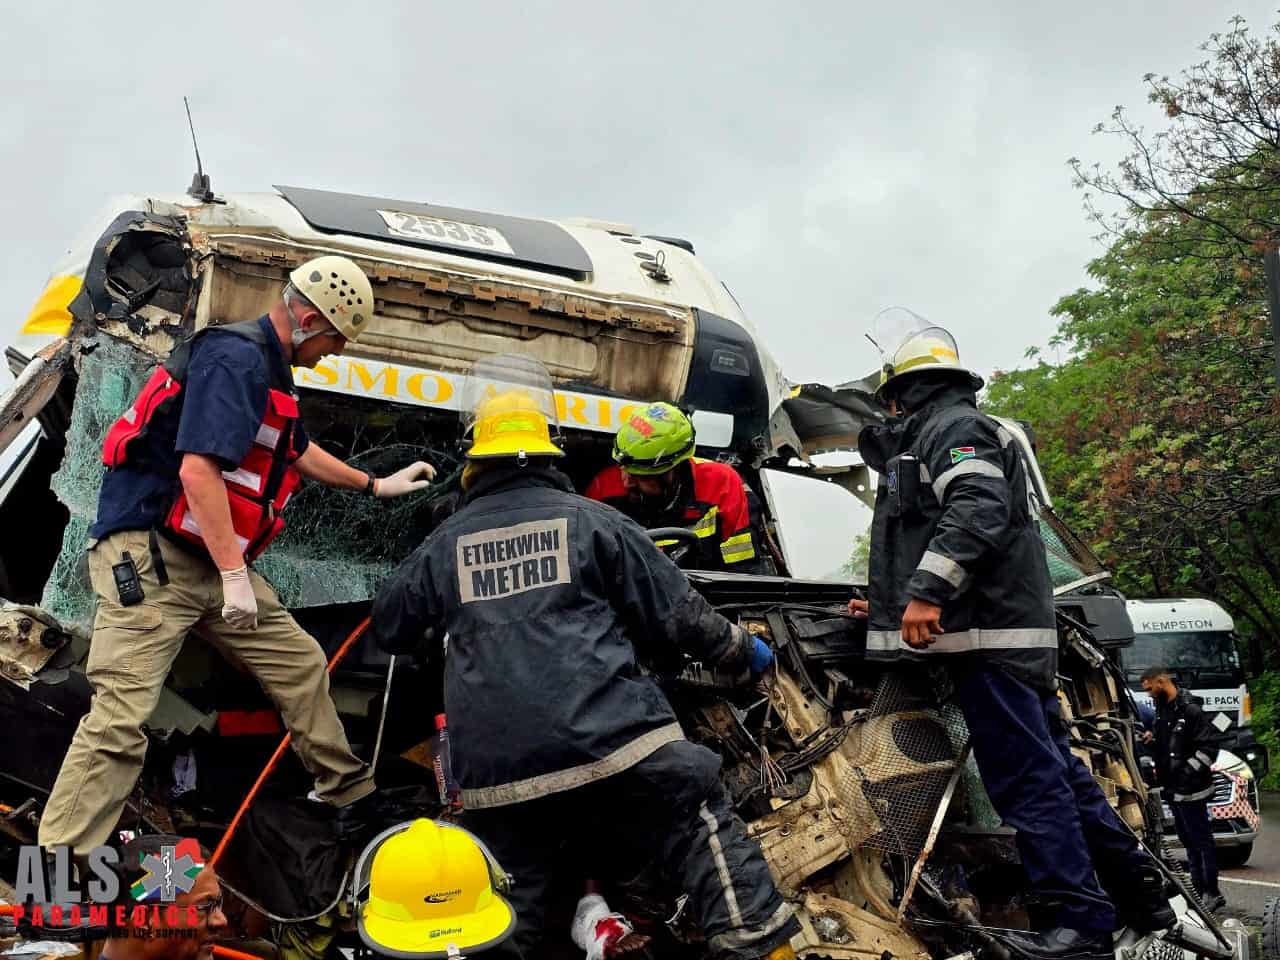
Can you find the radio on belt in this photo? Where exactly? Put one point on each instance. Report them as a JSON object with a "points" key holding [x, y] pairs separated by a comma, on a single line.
{"points": [[128, 584]]}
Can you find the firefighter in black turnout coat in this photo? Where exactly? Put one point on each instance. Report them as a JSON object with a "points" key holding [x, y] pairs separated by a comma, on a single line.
{"points": [[539, 598], [958, 577]]}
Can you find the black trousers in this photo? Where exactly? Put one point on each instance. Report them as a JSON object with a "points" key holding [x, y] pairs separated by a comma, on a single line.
{"points": [[670, 809], [1191, 820], [1069, 838]]}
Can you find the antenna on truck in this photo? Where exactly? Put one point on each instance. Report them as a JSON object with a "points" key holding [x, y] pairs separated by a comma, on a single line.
{"points": [[200, 188]]}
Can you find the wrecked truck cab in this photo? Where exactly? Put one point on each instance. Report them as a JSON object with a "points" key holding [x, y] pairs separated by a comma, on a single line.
{"points": [[618, 318], [848, 774]]}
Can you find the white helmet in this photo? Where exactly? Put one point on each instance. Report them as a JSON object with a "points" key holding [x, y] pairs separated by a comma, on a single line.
{"points": [[338, 289], [915, 346]]}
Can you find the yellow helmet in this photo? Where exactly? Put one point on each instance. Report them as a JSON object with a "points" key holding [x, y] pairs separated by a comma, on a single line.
{"points": [[917, 347], [340, 290], [509, 409], [431, 893]]}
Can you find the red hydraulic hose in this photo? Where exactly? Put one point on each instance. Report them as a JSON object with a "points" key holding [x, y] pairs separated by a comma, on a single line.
{"points": [[341, 652]]}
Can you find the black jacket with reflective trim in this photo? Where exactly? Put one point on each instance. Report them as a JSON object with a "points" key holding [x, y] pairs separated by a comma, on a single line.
{"points": [[546, 597], [1186, 746], [953, 526]]}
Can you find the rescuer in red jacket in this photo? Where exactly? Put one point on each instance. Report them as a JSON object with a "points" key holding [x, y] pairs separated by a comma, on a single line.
{"points": [[657, 481]]}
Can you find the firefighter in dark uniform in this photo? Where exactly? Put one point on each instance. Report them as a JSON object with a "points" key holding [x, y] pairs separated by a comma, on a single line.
{"points": [[657, 482], [958, 576], [1185, 745], [541, 599]]}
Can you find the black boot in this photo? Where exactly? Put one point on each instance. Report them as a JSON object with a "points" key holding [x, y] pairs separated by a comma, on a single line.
{"points": [[358, 821], [1061, 943], [1143, 905]]}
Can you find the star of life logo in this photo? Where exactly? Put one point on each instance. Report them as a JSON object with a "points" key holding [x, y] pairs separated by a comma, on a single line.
{"points": [[174, 871]]}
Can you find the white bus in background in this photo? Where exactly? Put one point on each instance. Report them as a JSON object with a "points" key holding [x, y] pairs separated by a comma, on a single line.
{"points": [[1196, 641]]}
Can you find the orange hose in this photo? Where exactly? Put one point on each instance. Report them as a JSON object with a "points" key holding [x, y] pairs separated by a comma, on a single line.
{"points": [[229, 954], [341, 652]]}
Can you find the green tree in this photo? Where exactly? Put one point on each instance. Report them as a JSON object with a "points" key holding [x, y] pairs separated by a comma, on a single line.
{"points": [[1160, 434], [856, 567]]}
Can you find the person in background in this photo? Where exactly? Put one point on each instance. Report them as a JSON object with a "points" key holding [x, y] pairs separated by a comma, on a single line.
{"points": [[1185, 745], [185, 928]]}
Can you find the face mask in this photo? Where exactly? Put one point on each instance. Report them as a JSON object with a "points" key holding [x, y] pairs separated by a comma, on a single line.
{"points": [[298, 336]]}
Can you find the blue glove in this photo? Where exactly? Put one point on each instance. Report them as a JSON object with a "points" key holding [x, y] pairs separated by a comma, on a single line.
{"points": [[761, 657]]}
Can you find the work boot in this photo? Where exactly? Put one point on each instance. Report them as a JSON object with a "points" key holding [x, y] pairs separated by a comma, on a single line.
{"points": [[358, 821], [1061, 943], [1143, 906]]}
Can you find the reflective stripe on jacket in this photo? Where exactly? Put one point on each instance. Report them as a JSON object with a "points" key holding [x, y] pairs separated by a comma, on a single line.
{"points": [[545, 597], [954, 526]]}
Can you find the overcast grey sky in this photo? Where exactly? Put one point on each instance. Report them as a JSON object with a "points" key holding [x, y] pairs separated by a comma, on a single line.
{"points": [[827, 159]]}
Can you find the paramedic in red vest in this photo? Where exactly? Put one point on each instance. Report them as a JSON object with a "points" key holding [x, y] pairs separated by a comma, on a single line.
{"points": [[657, 482], [199, 467]]}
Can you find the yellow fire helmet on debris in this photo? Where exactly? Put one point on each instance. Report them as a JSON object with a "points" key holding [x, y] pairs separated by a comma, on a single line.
{"points": [[340, 290], [431, 893], [509, 409], [917, 346]]}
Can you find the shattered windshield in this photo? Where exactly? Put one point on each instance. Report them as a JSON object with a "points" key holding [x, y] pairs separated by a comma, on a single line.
{"points": [[338, 545]]}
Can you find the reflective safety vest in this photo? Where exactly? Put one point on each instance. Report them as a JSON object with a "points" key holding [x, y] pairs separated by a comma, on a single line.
{"points": [[258, 489], [712, 504]]}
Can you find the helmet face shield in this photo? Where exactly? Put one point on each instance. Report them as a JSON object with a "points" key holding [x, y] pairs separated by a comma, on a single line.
{"points": [[509, 408], [893, 327], [909, 344]]}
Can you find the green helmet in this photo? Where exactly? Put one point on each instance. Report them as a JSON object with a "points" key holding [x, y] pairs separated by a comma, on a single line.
{"points": [[655, 439]]}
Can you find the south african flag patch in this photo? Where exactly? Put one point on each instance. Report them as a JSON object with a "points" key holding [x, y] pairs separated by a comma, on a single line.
{"points": [[962, 453]]}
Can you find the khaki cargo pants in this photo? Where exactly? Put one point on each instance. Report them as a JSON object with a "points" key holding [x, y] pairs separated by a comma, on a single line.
{"points": [[132, 650]]}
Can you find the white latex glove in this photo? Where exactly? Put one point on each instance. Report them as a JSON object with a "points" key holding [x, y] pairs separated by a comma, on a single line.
{"points": [[595, 930], [239, 605], [416, 476]]}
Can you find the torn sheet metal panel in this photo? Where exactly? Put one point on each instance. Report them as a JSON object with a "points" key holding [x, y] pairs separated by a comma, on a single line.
{"points": [[829, 420], [445, 319], [139, 285], [34, 388]]}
